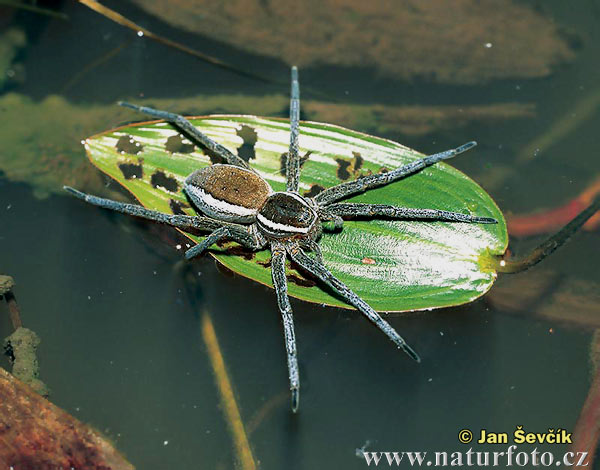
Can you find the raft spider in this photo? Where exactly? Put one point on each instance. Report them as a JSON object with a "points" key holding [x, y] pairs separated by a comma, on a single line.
{"points": [[239, 205]]}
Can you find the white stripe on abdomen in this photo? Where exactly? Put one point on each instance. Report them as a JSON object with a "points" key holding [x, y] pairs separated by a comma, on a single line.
{"points": [[217, 208]]}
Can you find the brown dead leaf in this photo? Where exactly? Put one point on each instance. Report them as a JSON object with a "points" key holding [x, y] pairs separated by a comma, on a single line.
{"points": [[35, 434]]}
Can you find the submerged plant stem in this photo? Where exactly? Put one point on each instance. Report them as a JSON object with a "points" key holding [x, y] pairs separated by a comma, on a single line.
{"points": [[550, 245], [92, 65], [13, 308], [34, 9], [120, 19], [230, 407], [581, 112]]}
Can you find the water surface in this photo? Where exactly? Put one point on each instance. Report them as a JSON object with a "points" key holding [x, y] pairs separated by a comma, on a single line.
{"points": [[120, 315]]}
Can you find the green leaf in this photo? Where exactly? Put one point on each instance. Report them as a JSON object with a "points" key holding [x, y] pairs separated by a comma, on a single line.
{"points": [[393, 265]]}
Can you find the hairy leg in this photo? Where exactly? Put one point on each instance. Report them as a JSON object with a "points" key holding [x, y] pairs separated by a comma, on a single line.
{"points": [[320, 271], [242, 233], [278, 255], [186, 126], [350, 210], [293, 159], [344, 190]]}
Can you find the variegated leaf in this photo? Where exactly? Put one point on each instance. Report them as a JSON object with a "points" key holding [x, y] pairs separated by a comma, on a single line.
{"points": [[393, 265]]}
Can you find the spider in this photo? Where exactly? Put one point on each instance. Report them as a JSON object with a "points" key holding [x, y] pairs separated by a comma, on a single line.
{"points": [[239, 205]]}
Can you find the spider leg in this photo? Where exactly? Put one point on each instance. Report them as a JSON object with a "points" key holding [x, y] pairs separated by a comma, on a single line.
{"points": [[236, 235], [320, 271], [350, 210], [185, 125], [292, 170], [213, 238], [344, 190], [243, 234], [280, 283]]}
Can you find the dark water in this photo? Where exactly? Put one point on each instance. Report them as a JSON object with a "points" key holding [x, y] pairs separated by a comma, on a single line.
{"points": [[120, 315]]}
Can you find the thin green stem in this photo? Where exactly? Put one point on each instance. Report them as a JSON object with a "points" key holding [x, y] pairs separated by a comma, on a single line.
{"points": [[555, 241]]}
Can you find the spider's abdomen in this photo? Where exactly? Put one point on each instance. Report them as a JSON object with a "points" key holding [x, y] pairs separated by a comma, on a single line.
{"points": [[227, 192], [286, 214]]}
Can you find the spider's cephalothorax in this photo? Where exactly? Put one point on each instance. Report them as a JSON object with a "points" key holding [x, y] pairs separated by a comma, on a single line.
{"points": [[239, 205], [287, 214]]}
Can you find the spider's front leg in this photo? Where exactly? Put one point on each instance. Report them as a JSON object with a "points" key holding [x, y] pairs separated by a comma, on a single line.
{"points": [[183, 124], [278, 255], [320, 271], [344, 190], [356, 210]]}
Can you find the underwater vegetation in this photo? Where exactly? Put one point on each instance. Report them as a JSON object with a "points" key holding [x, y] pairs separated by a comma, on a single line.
{"points": [[473, 42], [46, 153]]}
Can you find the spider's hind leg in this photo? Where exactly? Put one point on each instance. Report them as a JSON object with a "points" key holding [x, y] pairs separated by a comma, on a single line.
{"points": [[247, 236], [242, 234], [278, 255], [185, 222], [210, 240], [183, 124]]}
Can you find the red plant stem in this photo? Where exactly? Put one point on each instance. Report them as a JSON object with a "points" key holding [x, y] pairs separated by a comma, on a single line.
{"points": [[551, 244], [13, 309], [553, 219]]}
